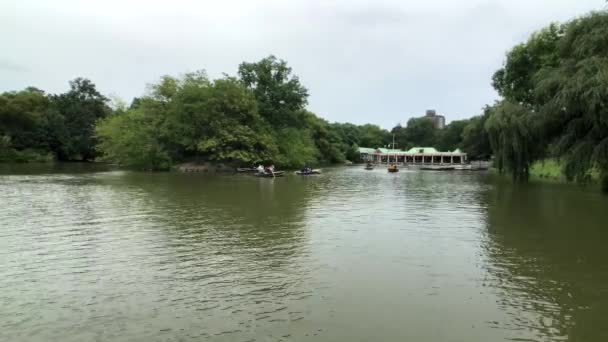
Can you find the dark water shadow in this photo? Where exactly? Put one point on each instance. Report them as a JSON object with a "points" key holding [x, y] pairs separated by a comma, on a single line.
{"points": [[548, 259]]}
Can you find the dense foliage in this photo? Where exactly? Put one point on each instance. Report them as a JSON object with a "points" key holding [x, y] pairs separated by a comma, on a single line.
{"points": [[259, 116], [475, 139], [35, 126], [554, 104], [555, 90], [421, 132]]}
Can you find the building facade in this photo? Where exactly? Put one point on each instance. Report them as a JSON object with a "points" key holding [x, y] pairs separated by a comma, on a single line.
{"points": [[438, 120], [415, 155]]}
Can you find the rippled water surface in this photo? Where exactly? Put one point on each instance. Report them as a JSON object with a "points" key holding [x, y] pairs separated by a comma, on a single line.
{"points": [[350, 255]]}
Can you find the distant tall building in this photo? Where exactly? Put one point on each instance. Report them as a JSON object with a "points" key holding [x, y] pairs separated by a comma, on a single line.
{"points": [[438, 120]]}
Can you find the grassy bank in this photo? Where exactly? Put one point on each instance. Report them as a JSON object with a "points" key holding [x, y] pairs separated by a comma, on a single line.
{"points": [[549, 169], [553, 169]]}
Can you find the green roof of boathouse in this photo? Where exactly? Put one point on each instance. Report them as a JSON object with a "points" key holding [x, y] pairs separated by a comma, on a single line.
{"points": [[422, 150]]}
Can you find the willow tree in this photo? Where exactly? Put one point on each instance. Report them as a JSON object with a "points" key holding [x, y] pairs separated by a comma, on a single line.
{"points": [[575, 96], [516, 81], [475, 140], [514, 125], [555, 90], [513, 134]]}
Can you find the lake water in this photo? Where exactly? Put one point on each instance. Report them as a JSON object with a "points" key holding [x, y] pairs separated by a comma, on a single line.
{"points": [[350, 255]]}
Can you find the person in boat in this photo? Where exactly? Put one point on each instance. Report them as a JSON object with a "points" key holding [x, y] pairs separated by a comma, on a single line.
{"points": [[260, 168], [306, 169], [270, 169]]}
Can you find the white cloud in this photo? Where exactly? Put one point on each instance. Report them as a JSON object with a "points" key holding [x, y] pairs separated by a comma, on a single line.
{"points": [[363, 61]]}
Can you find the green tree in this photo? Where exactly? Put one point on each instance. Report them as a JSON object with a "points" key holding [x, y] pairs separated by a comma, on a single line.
{"points": [[450, 138], [189, 118], [475, 140], [28, 126], [352, 153], [575, 94], [419, 132], [516, 80], [555, 88], [22, 117], [131, 139], [514, 136], [296, 148], [364, 135], [373, 136], [326, 139], [279, 93], [80, 107], [231, 128]]}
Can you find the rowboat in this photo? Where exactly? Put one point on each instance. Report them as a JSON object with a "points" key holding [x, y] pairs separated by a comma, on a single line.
{"points": [[369, 167], [269, 174], [312, 172], [393, 169], [246, 169], [471, 167], [438, 168]]}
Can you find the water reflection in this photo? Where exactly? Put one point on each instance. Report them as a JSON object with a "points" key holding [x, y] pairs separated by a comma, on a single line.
{"points": [[546, 247], [241, 212], [226, 254], [238, 240]]}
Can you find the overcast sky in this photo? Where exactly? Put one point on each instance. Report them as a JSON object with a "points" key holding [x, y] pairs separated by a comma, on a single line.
{"points": [[372, 61]]}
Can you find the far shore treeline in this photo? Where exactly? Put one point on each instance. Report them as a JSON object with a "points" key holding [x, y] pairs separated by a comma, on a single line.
{"points": [[553, 106], [258, 116]]}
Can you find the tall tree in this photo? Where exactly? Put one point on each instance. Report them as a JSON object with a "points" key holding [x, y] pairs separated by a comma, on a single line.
{"points": [[516, 80], [575, 94], [555, 88], [326, 139], [514, 136], [279, 93], [81, 107], [420, 132], [30, 129], [131, 139], [188, 118], [450, 138], [475, 140]]}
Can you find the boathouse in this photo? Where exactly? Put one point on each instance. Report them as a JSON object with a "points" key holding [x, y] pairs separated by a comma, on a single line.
{"points": [[415, 155]]}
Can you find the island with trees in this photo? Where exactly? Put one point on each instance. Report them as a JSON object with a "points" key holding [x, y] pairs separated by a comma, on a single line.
{"points": [[553, 108]]}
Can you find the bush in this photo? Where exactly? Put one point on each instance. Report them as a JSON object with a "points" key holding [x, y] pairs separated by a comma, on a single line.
{"points": [[26, 156]]}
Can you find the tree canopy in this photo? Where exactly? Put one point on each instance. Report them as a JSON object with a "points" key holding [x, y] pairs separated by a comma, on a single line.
{"points": [[553, 88], [37, 126], [258, 116], [555, 91], [279, 93]]}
